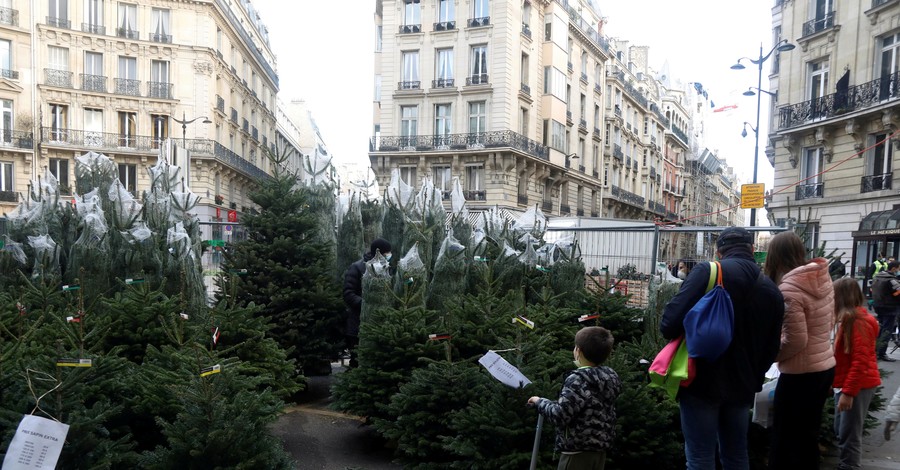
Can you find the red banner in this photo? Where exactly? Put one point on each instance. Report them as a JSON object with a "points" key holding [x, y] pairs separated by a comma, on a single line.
{"points": [[218, 213], [232, 216]]}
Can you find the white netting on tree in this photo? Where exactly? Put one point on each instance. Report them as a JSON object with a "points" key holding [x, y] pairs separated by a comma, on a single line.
{"points": [[398, 191], [14, 250], [529, 257], [412, 261], [49, 184], [532, 221], [428, 200], [318, 170], [458, 200], [93, 221], [46, 255], [492, 223], [126, 208], [138, 233], [178, 241]]}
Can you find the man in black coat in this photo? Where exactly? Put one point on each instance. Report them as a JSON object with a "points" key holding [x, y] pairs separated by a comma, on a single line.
{"points": [[715, 406], [353, 293]]}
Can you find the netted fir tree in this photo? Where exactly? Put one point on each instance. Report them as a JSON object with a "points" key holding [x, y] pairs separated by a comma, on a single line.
{"points": [[287, 269]]}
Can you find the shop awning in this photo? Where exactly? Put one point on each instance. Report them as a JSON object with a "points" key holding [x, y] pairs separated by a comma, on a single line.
{"points": [[880, 223]]}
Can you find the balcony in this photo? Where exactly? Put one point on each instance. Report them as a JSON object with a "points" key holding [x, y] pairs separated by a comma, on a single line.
{"points": [[818, 24], [95, 83], [857, 97], [59, 22], [220, 104], [617, 153], [809, 191], [9, 16], [58, 78], [234, 116], [127, 86], [445, 26], [582, 124], [595, 214], [160, 90], [569, 117], [547, 206], [442, 83], [526, 30], [564, 209], [581, 168], [597, 133], [254, 133], [474, 195], [627, 196], [115, 142], [595, 173], [10, 74], [617, 110], [409, 85], [680, 134], [477, 22], [231, 159], [17, 139], [579, 212], [875, 183], [162, 38], [477, 79], [9, 196], [93, 28], [657, 208], [245, 125], [525, 89], [410, 28], [471, 141], [584, 78], [598, 89], [571, 67], [522, 199], [127, 33]]}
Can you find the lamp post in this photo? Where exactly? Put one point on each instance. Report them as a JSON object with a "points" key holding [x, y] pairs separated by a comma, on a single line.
{"points": [[781, 46], [184, 122]]}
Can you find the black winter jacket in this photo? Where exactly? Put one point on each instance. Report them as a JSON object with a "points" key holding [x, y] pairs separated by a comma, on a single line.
{"points": [[353, 293], [585, 414], [885, 288], [739, 373]]}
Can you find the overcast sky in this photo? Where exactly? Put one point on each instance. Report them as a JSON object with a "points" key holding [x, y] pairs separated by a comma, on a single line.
{"points": [[325, 56]]}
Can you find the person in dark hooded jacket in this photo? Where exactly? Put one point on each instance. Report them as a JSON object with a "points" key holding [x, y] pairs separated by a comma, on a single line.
{"points": [[353, 293]]}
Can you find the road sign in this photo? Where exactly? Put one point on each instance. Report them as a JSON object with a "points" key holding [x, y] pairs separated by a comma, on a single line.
{"points": [[228, 228], [753, 196]]}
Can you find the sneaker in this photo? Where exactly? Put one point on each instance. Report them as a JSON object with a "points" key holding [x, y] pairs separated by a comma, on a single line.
{"points": [[886, 359]]}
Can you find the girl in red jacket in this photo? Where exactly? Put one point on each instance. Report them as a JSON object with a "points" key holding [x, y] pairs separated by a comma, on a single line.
{"points": [[856, 373]]}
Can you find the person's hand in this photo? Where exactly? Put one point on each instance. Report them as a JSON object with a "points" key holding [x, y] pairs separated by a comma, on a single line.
{"points": [[533, 401], [845, 402], [888, 427]]}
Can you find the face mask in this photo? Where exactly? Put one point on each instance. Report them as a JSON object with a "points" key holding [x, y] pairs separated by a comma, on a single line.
{"points": [[682, 274], [387, 257]]}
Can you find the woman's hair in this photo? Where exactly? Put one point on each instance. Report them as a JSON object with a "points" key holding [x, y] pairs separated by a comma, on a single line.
{"points": [[786, 252], [847, 298]]}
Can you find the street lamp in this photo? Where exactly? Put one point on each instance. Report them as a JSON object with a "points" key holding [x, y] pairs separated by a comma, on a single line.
{"points": [[781, 46], [184, 122]]}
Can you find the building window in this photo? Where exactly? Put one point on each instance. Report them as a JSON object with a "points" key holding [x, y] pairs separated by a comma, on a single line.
{"points": [[408, 175], [58, 13], [583, 107], [479, 65], [595, 158], [6, 120], [127, 68], [811, 174], [378, 88], [581, 148], [378, 38], [127, 22], [523, 121], [127, 128], [597, 116], [442, 178], [410, 77], [523, 69], [161, 32], [776, 39], [477, 117], [443, 125], [584, 63], [482, 9], [474, 178], [59, 121], [555, 82], [6, 177], [59, 58], [6, 58], [128, 176], [93, 16], [412, 12], [889, 65], [409, 124], [59, 168], [444, 68], [159, 80], [93, 127], [160, 131], [818, 79], [557, 135], [879, 170], [93, 79], [445, 11], [809, 232]]}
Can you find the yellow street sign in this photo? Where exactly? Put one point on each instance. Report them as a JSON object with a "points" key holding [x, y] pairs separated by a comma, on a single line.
{"points": [[753, 196]]}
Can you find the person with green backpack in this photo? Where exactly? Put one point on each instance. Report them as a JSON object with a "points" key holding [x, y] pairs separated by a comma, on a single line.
{"points": [[715, 407]]}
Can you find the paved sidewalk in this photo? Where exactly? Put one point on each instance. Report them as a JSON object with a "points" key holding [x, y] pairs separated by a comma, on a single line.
{"points": [[879, 454]]}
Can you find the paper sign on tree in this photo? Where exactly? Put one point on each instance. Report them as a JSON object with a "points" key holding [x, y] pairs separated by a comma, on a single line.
{"points": [[503, 370], [36, 444]]}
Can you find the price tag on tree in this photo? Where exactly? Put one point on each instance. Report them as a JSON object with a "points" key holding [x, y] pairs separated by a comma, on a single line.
{"points": [[36, 444], [503, 370]]}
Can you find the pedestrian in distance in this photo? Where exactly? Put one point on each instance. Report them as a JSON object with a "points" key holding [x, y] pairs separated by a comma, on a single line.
{"points": [[715, 407], [806, 359], [353, 294], [856, 373], [886, 300], [892, 415], [585, 414], [683, 269]]}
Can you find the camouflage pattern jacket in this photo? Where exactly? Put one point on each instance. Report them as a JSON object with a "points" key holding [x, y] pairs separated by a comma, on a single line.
{"points": [[585, 414]]}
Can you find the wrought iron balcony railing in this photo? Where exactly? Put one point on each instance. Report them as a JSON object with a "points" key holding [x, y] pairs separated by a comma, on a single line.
{"points": [[9, 16], [584, 77], [582, 123], [564, 209], [59, 78], [657, 208], [93, 28], [59, 22], [627, 196], [818, 24], [570, 67], [10, 74], [617, 110], [876, 182], [595, 173], [878, 3], [160, 90], [477, 79], [476, 22], [526, 30], [809, 191], [617, 152], [522, 199], [231, 159], [547, 206], [409, 85], [128, 33], [9, 196], [581, 168], [17, 139], [127, 86], [470, 141], [410, 28], [113, 141], [680, 134], [474, 195], [220, 104], [442, 83], [525, 89], [245, 125], [598, 89], [234, 116], [254, 133], [579, 212], [445, 26], [95, 83], [163, 38], [856, 97]]}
